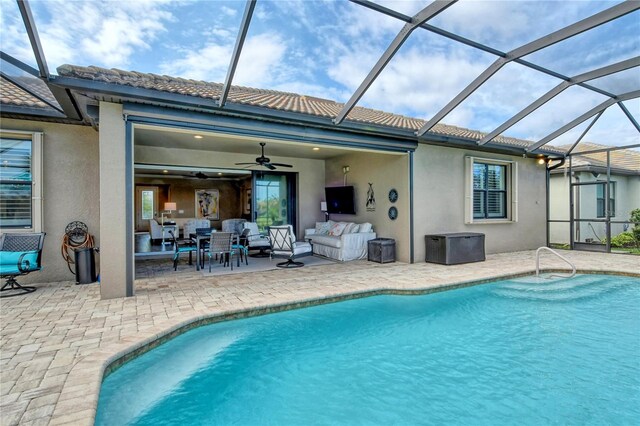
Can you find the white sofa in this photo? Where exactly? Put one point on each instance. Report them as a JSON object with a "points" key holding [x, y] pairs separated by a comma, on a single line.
{"points": [[344, 247]]}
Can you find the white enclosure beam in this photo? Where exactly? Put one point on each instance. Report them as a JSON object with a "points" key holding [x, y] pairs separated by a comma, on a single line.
{"points": [[32, 32], [235, 57], [545, 41], [587, 115], [597, 73], [420, 18], [629, 116]]}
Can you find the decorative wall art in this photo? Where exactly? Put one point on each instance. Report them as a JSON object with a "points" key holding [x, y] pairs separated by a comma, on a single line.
{"points": [[393, 195], [371, 199], [207, 204], [393, 213], [246, 201]]}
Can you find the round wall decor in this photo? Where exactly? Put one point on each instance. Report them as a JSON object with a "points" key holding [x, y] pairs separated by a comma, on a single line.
{"points": [[393, 195], [393, 213]]}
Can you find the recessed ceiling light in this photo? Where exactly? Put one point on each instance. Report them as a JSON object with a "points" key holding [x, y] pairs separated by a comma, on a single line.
{"points": [[219, 174], [165, 171], [315, 148], [198, 136]]}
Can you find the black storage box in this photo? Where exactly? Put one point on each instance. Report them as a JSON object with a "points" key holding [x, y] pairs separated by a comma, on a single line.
{"points": [[455, 248], [382, 250]]}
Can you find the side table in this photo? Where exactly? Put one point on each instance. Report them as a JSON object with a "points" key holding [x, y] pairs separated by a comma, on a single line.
{"points": [[381, 250]]}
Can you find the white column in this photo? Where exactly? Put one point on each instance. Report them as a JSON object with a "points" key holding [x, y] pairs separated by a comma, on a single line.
{"points": [[116, 204]]}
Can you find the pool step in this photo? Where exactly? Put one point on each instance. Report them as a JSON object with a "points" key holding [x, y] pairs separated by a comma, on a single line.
{"points": [[557, 290]]}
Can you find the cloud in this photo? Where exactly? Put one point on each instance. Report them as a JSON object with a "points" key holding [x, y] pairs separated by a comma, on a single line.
{"points": [[99, 33]]}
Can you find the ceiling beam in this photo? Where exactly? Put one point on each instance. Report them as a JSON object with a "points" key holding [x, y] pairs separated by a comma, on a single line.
{"points": [[32, 32], [587, 115], [418, 19], [542, 42], [235, 57], [597, 73]]}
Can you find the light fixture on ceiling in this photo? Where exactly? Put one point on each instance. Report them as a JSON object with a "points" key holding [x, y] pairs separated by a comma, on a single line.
{"points": [[219, 173], [165, 171], [198, 136], [315, 148], [541, 161]]}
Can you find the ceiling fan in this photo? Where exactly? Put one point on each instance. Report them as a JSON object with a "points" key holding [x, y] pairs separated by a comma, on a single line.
{"points": [[198, 175], [264, 161]]}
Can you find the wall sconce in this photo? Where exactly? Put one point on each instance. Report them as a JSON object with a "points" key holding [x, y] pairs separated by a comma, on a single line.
{"points": [[345, 170]]}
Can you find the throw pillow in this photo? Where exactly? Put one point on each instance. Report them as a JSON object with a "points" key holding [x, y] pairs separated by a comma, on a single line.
{"points": [[366, 227], [337, 229], [323, 228], [351, 228]]}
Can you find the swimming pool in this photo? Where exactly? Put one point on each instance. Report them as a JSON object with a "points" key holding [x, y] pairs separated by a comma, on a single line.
{"points": [[515, 351]]}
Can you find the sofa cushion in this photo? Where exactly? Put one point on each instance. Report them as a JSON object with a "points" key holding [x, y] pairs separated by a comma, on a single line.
{"points": [[337, 229], [327, 240], [366, 227], [9, 261]]}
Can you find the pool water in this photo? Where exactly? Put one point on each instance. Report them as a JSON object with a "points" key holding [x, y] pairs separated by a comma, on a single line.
{"points": [[525, 351]]}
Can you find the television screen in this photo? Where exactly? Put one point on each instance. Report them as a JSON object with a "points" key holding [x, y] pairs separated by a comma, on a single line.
{"points": [[340, 200]]}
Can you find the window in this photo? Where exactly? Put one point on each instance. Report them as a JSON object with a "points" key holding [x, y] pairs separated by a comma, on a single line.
{"points": [[600, 200], [147, 205], [491, 190], [20, 181]]}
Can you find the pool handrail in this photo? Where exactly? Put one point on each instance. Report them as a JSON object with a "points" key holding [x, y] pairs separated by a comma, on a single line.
{"points": [[573, 267]]}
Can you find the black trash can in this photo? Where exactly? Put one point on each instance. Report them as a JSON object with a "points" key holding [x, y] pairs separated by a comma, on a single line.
{"points": [[85, 265]]}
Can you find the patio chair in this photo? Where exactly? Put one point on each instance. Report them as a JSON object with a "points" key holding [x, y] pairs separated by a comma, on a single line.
{"points": [[20, 254], [235, 226], [221, 244], [155, 229], [182, 246], [255, 240], [284, 245]]}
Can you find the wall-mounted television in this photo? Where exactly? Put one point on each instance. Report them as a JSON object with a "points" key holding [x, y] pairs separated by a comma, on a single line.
{"points": [[340, 200]]}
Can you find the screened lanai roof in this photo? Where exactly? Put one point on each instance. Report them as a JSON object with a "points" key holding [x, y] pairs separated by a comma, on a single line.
{"points": [[534, 73]]}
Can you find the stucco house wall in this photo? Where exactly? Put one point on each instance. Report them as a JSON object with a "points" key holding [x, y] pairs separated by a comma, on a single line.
{"points": [[71, 188], [439, 200]]}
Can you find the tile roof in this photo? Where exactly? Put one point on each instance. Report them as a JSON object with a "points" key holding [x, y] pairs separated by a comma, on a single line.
{"points": [[273, 99], [10, 94], [624, 159]]}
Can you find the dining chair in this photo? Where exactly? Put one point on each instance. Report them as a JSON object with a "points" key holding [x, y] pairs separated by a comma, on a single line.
{"points": [[221, 244], [182, 246]]}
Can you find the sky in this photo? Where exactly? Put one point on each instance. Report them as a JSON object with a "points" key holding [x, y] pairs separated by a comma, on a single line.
{"points": [[325, 48]]}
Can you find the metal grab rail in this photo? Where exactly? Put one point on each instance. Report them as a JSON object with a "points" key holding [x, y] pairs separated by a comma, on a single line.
{"points": [[573, 267]]}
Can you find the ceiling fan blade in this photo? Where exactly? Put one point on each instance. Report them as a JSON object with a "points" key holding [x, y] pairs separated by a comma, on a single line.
{"points": [[269, 166], [246, 164], [281, 165]]}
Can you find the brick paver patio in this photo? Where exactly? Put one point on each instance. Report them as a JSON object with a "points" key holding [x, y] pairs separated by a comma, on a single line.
{"points": [[56, 342]]}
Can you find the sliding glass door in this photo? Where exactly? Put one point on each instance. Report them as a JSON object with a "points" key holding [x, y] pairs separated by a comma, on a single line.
{"points": [[274, 199]]}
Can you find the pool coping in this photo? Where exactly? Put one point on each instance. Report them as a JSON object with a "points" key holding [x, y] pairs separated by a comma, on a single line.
{"points": [[87, 375]]}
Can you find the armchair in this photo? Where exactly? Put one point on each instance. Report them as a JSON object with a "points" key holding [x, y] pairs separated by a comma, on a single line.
{"points": [[255, 240], [20, 254], [283, 244]]}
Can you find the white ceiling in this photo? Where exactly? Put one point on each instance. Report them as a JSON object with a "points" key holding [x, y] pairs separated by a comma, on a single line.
{"points": [[184, 139]]}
